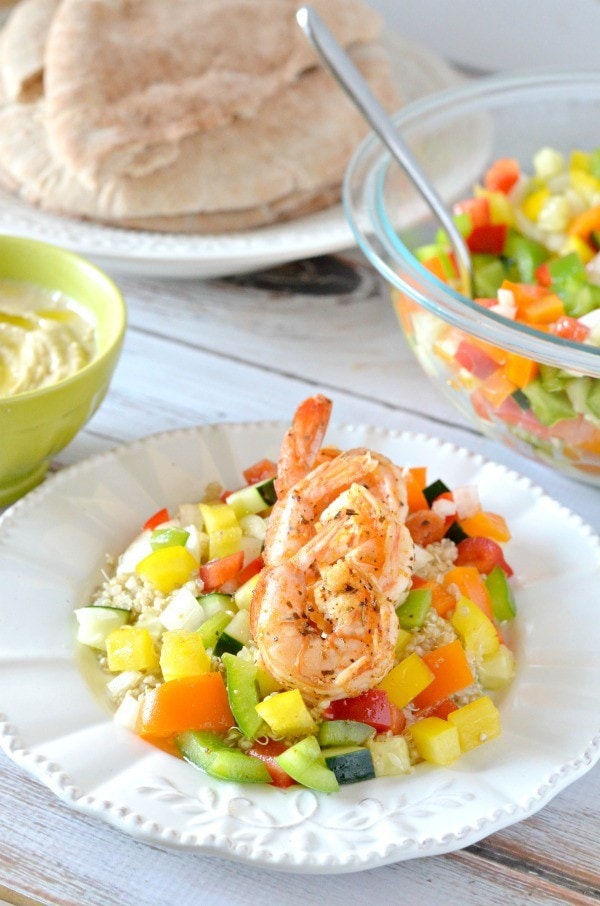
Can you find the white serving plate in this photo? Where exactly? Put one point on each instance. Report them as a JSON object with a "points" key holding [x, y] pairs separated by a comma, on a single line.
{"points": [[55, 724]]}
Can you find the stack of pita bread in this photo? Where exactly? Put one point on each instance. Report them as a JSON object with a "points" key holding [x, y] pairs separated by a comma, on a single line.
{"points": [[180, 115]]}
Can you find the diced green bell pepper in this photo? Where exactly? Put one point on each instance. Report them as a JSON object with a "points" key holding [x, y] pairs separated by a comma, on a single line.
{"points": [[207, 751], [412, 612], [501, 595], [527, 255], [242, 691], [548, 407], [168, 537], [488, 275]]}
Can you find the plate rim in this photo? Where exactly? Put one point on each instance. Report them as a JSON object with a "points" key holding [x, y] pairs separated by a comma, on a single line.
{"points": [[140, 827]]}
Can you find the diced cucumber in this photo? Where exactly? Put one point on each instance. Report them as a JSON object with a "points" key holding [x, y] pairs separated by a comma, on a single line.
{"points": [[391, 756], [243, 596], [242, 691], [216, 602], [434, 490], [350, 764], [97, 622], [235, 635], [593, 399], [253, 499], [412, 613], [207, 751], [305, 763], [497, 670], [212, 628], [456, 533], [344, 733]]}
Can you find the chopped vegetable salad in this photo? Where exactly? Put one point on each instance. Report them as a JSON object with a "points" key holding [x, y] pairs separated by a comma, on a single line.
{"points": [[171, 630]]}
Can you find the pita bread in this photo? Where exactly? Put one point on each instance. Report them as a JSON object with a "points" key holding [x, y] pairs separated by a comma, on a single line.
{"points": [[289, 161], [157, 72], [270, 141], [22, 49]]}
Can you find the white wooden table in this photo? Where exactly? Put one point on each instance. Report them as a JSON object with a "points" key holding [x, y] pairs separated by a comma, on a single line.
{"points": [[200, 352]]}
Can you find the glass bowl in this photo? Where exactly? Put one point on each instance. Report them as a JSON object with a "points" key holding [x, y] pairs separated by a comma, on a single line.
{"points": [[456, 135]]}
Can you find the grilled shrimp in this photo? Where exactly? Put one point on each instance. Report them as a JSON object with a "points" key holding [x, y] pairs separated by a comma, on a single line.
{"points": [[338, 559]]}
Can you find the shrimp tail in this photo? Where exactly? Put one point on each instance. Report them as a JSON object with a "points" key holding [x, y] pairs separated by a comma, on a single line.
{"points": [[302, 441]]}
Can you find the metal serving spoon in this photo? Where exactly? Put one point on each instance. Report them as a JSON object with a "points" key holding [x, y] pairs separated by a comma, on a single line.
{"points": [[353, 83]]}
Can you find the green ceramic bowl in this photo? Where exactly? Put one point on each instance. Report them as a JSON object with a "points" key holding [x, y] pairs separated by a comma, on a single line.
{"points": [[35, 425]]}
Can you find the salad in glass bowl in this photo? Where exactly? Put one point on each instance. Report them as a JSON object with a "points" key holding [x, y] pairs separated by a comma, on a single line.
{"points": [[520, 353]]}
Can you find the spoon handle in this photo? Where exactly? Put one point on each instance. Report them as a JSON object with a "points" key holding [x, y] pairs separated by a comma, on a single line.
{"points": [[355, 86]]}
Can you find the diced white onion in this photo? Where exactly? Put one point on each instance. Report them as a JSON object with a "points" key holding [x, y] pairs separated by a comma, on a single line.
{"points": [[506, 311], [253, 526], [189, 514], [506, 297], [126, 714], [193, 542], [252, 548], [443, 507], [182, 612], [467, 501], [123, 682], [137, 550]]}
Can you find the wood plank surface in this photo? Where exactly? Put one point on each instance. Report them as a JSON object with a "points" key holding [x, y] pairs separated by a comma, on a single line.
{"points": [[249, 349]]}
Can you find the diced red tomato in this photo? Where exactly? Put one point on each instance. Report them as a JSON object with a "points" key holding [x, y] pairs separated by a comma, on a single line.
{"points": [[478, 210], [475, 360], [372, 707], [570, 329], [483, 554], [216, 572], [157, 519], [451, 517], [502, 175], [251, 569], [267, 754], [260, 471], [488, 239], [543, 275], [442, 709], [510, 412]]}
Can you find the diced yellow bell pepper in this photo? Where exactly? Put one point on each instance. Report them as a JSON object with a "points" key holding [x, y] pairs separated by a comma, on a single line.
{"points": [[476, 630], [579, 160], [390, 755], [533, 203], [497, 670], [131, 648], [586, 184], [501, 210], [168, 568], [476, 723], [183, 654], [287, 714], [404, 637], [436, 740], [267, 684], [579, 246], [406, 680], [223, 542], [217, 516]]}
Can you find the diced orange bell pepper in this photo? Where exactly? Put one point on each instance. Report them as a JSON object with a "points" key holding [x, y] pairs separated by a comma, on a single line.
{"points": [[416, 480], [470, 583], [585, 223], [497, 387], [441, 599], [520, 370], [524, 293], [190, 703], [451, 673], [543, 311], [487, 525]]}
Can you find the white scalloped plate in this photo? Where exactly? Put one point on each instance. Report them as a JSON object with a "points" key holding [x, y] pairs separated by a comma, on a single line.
{"points": [[418, 72], [57, 726]]}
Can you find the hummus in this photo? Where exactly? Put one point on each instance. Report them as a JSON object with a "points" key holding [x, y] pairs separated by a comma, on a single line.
{"points": [[44, 337]]}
